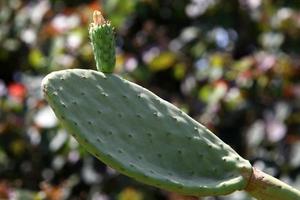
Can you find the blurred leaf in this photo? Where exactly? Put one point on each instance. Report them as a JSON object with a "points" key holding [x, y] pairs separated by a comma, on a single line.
{"points": [[3, 156], [18, 147], [233, 99], [198, 49], [130, 194], [204, 93], [118, 10], [243, 64], [217, 60], [179, 71], [163, 61], [36, 58], [284, 67], [26, 195]]}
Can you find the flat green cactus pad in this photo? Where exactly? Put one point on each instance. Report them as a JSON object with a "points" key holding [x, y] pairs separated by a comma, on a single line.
{"points": [[142, 136]]}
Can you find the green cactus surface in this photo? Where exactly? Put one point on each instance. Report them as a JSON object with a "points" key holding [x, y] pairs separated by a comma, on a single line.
{"points": [[139, 134], [103, 43]]}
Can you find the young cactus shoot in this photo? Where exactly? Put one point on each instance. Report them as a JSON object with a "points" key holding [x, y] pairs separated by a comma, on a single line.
{"points": [[103, 43]]}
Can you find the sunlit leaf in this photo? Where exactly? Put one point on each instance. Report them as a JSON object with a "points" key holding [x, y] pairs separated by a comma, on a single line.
{"points": [[179, 71], [163, 61], [130, 194], [36, 58]]}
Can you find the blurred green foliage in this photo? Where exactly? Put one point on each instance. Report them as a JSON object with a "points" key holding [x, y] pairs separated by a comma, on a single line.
{"points": [[235, 67]]}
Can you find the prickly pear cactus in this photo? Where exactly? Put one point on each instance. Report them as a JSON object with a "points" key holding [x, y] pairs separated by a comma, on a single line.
{"points": [[103, 43], [141, 135]]}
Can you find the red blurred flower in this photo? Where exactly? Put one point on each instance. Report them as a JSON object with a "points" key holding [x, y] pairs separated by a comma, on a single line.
{"points": [[17, 91]]}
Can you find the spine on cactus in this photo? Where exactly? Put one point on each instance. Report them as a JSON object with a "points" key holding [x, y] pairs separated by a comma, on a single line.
{"points": [[103, 43]]}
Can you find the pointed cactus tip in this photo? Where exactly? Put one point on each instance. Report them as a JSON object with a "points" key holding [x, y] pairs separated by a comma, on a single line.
{"points": [[98, 18], [103, 43]]}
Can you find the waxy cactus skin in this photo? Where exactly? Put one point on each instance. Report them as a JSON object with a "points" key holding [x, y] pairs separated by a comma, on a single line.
{"points": [[139, 134]]}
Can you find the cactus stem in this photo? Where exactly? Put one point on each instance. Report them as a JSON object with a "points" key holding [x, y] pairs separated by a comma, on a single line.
{"points": [[266, 187]]}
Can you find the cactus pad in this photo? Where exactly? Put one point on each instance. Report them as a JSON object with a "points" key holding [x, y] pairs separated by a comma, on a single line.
{"points": [[134, 131]]}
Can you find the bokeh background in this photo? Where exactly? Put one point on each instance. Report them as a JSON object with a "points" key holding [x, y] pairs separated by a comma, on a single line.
{"points": [[232, 65]]}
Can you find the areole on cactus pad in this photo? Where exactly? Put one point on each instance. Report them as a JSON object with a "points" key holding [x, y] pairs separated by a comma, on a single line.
{"points": [[139, 134]]}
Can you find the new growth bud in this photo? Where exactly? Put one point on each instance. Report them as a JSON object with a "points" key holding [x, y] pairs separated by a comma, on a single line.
{"points": [[103, 43], [98, 19]]}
